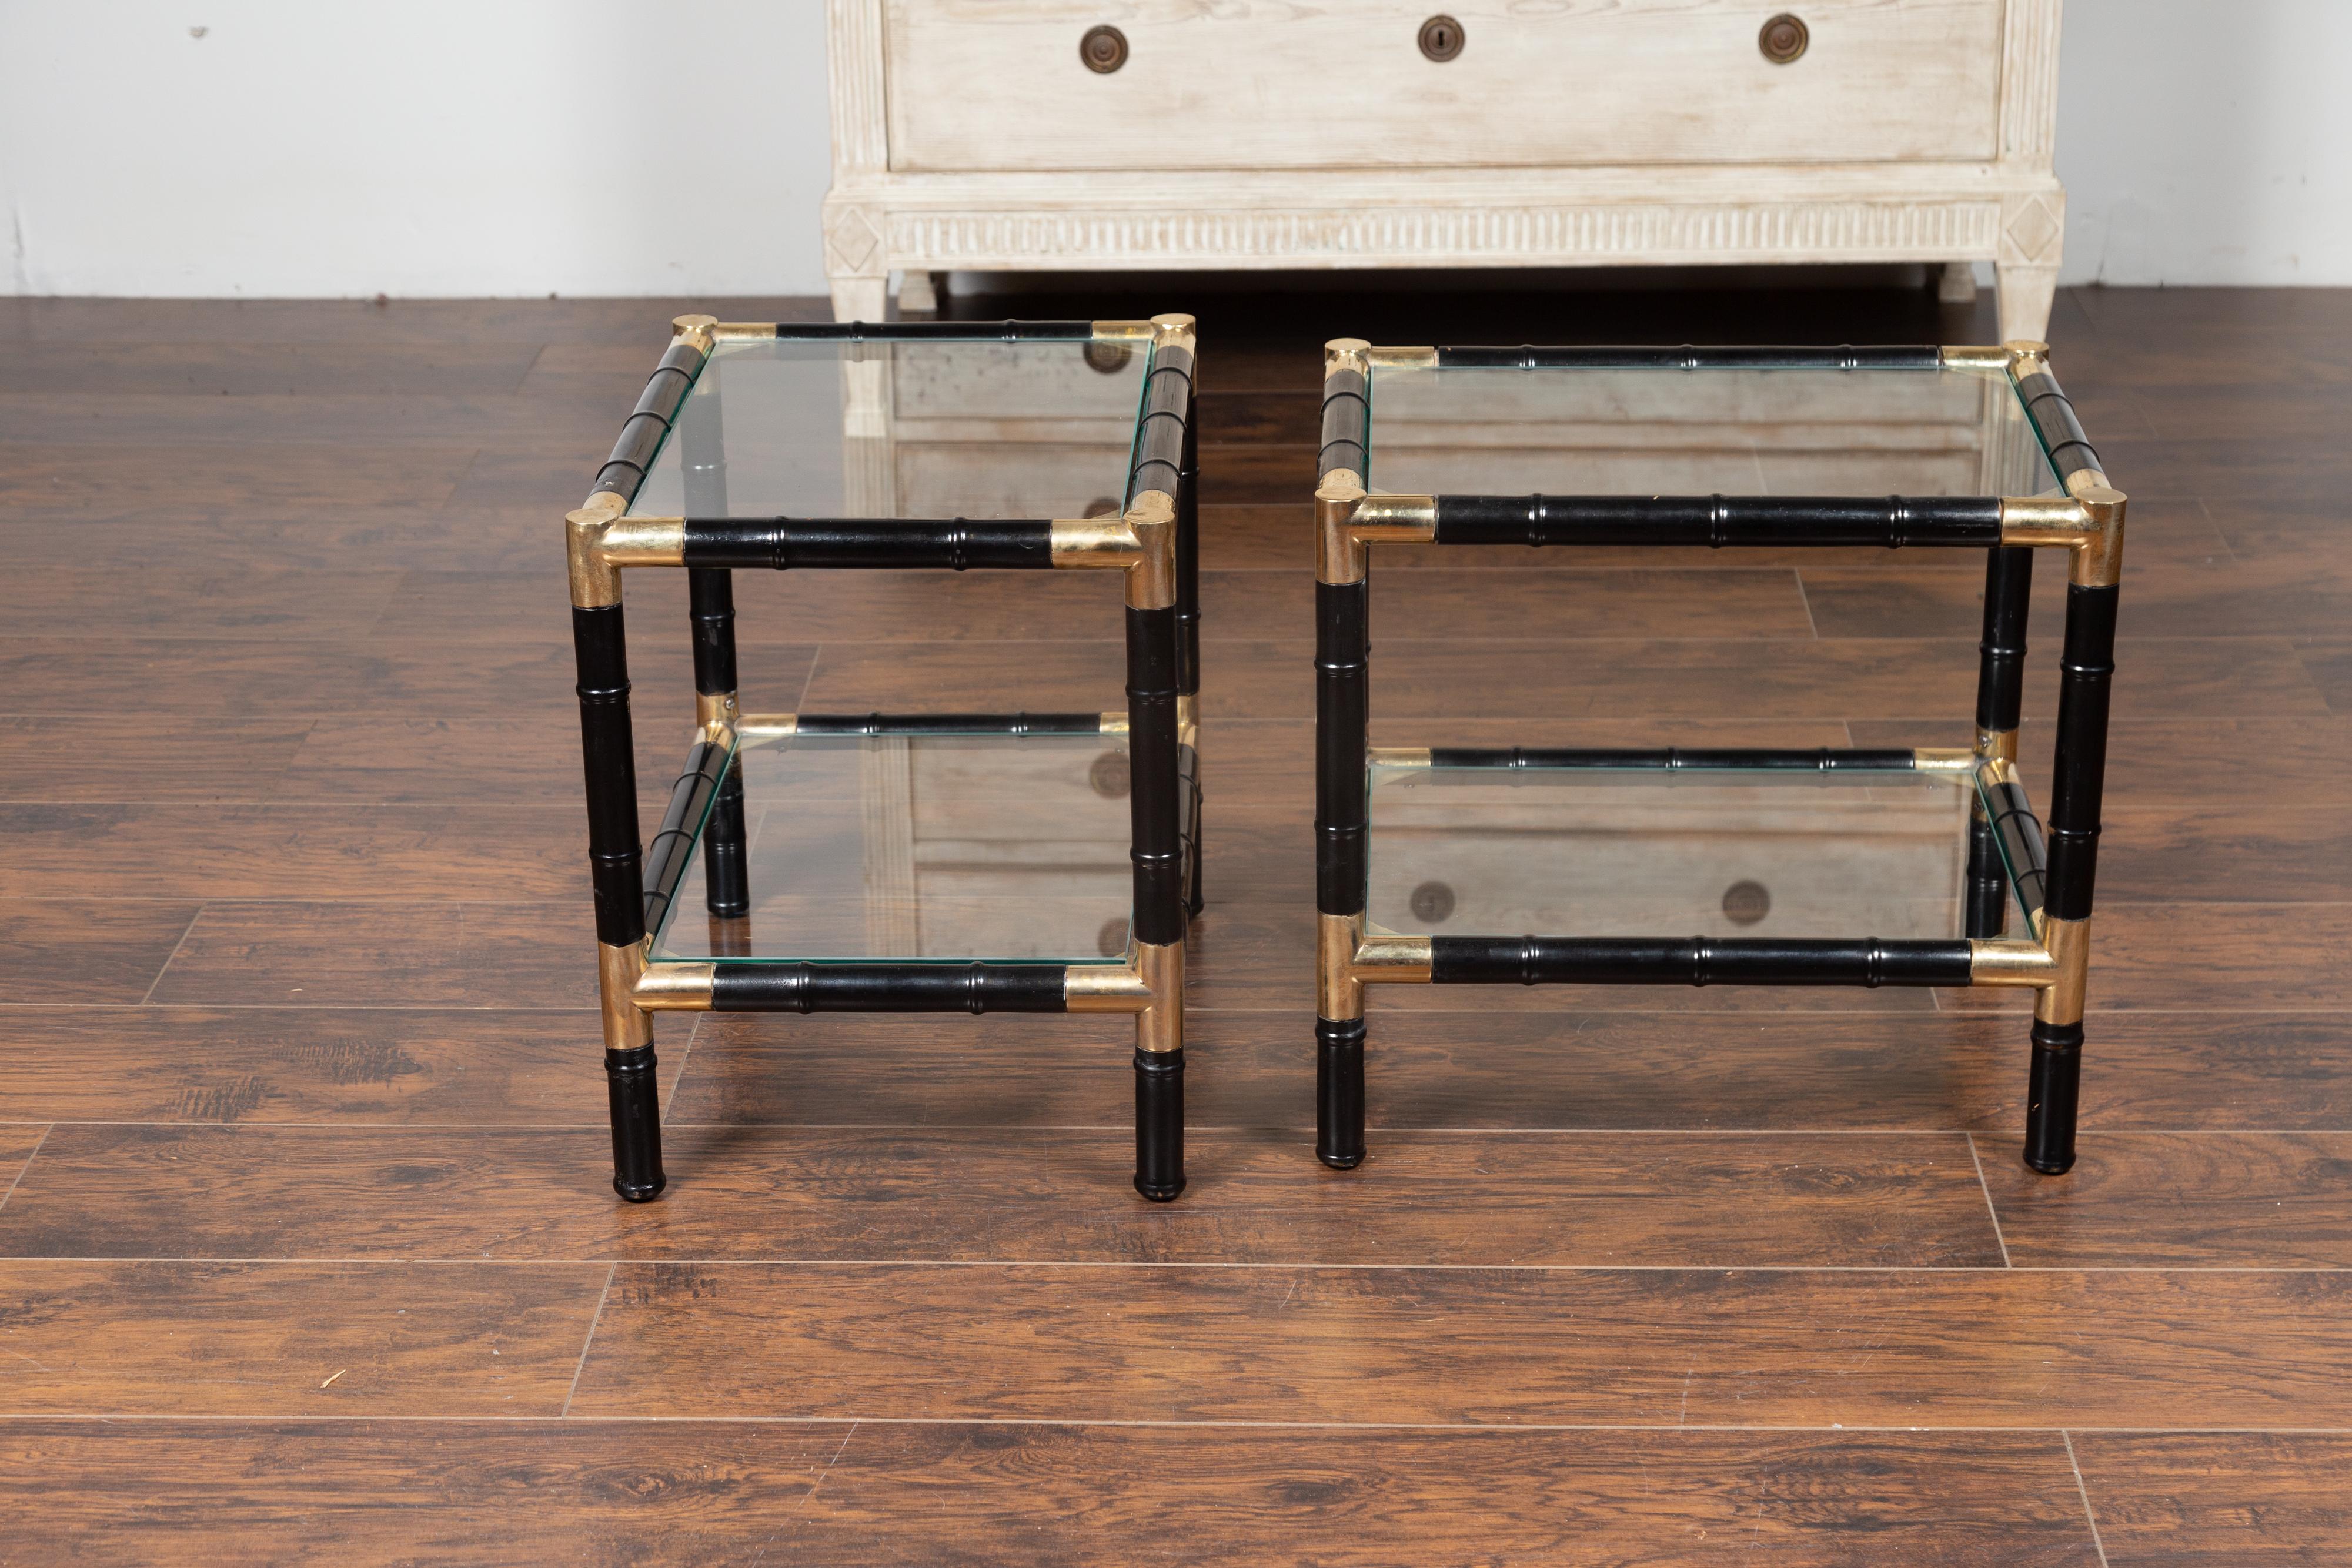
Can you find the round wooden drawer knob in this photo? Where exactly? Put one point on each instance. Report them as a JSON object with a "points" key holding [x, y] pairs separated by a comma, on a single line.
{"points": [[1784, 37], [1441, 39], [1104, 50]]}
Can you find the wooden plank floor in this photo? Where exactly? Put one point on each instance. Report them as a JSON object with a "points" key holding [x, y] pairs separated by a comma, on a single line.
{"points": [[307, 1249]]}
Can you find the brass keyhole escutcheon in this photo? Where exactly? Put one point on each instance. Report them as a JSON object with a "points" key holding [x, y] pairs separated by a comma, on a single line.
{"points": [[1745, 902], [1104, 50], [1784, 37], [1441, 39], [1110, 776]]}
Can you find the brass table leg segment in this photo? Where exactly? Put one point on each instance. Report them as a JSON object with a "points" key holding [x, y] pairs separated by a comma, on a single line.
{"points": [[608, 752], [2078, 778], [1156, 812], [1342, 714]]}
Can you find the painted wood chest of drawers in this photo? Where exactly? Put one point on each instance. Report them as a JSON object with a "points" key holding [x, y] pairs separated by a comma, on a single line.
{"points": [[1121, 135]]}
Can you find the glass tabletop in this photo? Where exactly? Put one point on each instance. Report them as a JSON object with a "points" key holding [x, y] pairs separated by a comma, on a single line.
{"points": [[1721, 852], [1953, 431], [937, 428], [972, 847]]}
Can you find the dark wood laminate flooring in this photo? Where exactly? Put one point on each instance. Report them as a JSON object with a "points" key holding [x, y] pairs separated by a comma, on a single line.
{"points": [[306, 1245]]}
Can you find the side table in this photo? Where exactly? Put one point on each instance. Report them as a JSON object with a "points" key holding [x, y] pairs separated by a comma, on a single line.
{"points": [[1774, 857], [878, 862]]}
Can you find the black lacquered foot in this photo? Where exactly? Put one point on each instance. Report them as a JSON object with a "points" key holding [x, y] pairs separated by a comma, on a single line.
{"points": [[1159, 1123], [2052, 1096], [635, 1089], [1339, 1092]]}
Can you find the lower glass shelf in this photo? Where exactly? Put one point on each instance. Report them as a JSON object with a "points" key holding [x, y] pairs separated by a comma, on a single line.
{"points": [[982, 845], [1798, 845]]}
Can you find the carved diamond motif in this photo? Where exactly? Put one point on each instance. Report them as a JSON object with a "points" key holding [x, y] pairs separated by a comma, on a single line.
{"points": [[850, 241], [2033, 229]]}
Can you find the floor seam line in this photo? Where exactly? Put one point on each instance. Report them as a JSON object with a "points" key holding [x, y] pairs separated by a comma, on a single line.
{"points": [[2083, 1490], [612, 1271], [1992, 1209], [15, 1181]]}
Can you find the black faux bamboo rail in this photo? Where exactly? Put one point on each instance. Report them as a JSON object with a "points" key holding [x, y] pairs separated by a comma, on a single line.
{"points": [[1015, 724], [862, 987], [955, 544], [2054, 417], [935, 331], [648, 426], [1347, 420], [1676, 759], [1691, 357], [2019, 833], [1160, 438], [671, 851], [1890, 522], [1694, 961]]}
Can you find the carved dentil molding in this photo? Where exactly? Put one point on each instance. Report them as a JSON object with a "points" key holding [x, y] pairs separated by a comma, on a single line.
{"points": [[865, 239]]}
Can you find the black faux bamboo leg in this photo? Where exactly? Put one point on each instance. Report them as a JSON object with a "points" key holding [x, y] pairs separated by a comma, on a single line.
{"points": [[1157, 853], [702, 469], [2078, 776], [726, 880], [1188, 619], [2000, 687], [609, 759], [1342, 681]]}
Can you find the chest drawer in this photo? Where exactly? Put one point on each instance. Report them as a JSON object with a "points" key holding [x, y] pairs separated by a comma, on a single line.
{"points": [[999, 85]]}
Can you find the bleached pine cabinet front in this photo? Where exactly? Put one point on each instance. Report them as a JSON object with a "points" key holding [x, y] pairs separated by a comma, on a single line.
{"points": [[984, 135]]}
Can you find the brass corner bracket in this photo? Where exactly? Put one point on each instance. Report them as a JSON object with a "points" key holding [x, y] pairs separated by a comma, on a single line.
{"points": [[1346, 960], [1141, 542], [2089, 522], [1347, 520], [1150, 985]]}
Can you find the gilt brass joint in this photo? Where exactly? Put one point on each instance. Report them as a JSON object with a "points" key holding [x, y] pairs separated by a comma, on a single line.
{"points": [[627, 1026], [1094, 542], [1942, 759], [1188, 719], [1397, 756], [697, 330], [1123, 332], [1173, 331], [1151, 578], [1105, 988], [2090, 524], [1114, 722], [1385, 959], [1996, 745], [1339, 996], [2027, 357], [594, 583], [1416, 359], [743, 333], [2068, 942], [767, 724], [643, 541], [675, 988], [1160, 1027], [715, 708], [1978, 357], [2001, 962], [1346, 354], [1338, 556]]}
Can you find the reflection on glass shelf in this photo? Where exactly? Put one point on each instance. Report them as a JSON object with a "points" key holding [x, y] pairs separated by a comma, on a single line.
{"points": [[1482, 851], [929, 429], [1953, 432], [950, 847]]}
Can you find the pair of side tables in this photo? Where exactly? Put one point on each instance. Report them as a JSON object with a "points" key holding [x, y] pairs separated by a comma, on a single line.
{"points": [[1015, 862]]}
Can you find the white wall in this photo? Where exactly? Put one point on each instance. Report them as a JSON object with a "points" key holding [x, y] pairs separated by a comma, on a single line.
{"points": [[2207, 141], [585, 147], [427, 147]]}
